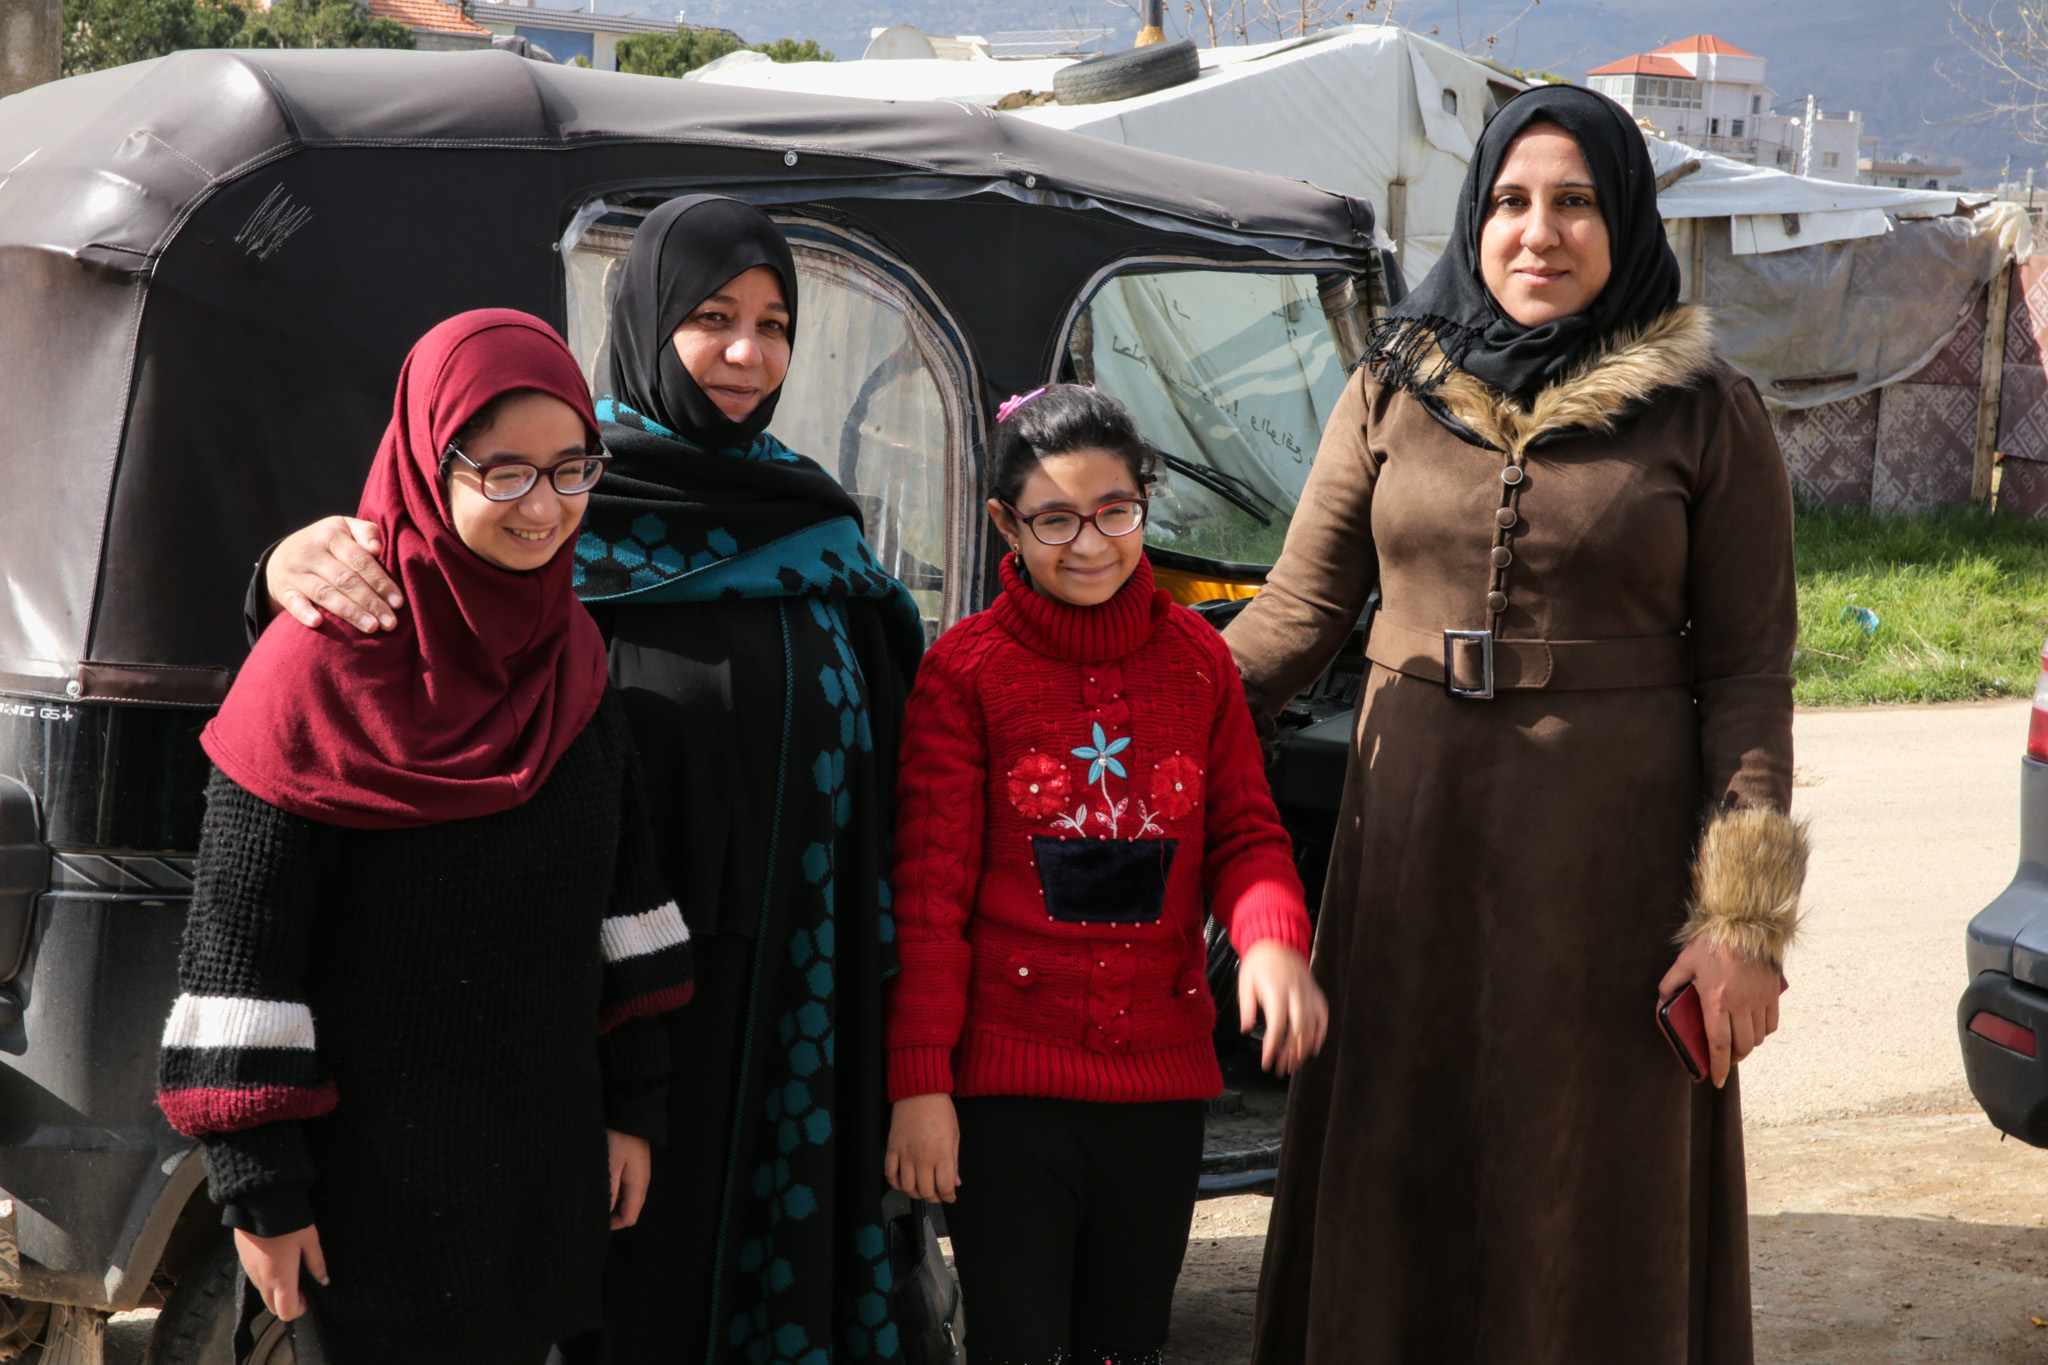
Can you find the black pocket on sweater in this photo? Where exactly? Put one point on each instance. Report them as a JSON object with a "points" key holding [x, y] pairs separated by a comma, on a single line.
{"points": [[1103, 881]]}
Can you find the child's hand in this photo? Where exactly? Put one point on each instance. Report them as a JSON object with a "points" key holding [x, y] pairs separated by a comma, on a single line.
{"points": [[924, 1147], [1275, 981], [632, 1167], [273, 1264]]}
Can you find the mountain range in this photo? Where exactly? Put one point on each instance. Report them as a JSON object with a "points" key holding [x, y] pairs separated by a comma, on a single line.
{"points": [[1898, 62]]}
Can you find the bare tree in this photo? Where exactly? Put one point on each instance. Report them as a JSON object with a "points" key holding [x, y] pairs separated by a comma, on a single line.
{"points": [[1218, 16], [1303, 17], [2011, 38], [1499, 33], [1275, 19], [1225, 22]]}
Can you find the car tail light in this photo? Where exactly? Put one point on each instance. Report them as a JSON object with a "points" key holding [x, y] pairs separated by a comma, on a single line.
{"points": [[2003, 1032], [2037, 728]]}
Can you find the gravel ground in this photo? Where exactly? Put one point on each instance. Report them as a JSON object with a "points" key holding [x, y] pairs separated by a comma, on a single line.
{"points": [[1888, 1222], [1915, 825], [1900, 1239]]}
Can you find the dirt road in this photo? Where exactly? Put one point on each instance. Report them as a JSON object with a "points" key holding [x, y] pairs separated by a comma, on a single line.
{"points": [[1915, 826], [1888, 1222]]}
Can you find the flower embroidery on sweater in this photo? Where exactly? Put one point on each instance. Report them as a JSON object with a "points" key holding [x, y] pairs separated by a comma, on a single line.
{"points": [[1039, 785], [1101, 757]]}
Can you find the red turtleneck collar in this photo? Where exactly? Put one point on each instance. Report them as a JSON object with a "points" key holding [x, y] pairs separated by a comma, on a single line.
{"points": [[1081, 634]]}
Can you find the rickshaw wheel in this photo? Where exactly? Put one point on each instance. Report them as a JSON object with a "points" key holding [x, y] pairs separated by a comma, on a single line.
{"points": [[197, 1325]]}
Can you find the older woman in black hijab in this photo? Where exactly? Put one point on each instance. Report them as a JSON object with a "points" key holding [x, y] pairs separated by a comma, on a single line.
{"points": [[763, 658], [1567, 800]]}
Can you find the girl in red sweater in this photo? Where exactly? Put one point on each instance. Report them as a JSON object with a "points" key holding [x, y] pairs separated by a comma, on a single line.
{"points": [[1079, 775]]}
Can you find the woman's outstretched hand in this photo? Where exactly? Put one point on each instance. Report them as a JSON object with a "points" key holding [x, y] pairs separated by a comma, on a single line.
{"points": [[924, 1147], [273, 1265], [1738, 996], [333, 564], [1274, 980], [632, 1169]]}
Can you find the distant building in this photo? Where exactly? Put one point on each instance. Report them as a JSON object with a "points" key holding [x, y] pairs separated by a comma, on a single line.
{"points": [[1711, 94], [566, 34], [901, 42], [435, 27], [1908, 172], [1037, 43]]}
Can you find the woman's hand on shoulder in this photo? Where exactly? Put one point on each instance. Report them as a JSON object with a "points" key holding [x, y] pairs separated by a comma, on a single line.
{"points": [[924, 1147], [632, 1161], [273, 1265], [1738, 997], [1275, 980], [333, 564]]}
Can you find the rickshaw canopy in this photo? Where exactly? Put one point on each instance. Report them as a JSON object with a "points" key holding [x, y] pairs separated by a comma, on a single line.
{"points": [[212, 264]]}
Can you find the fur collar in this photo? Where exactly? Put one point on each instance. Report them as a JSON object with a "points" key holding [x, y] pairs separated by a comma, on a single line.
{"points": [[1675, 350]]}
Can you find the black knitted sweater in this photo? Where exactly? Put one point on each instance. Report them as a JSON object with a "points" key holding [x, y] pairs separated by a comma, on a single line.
{"points": [[415, 1039]]}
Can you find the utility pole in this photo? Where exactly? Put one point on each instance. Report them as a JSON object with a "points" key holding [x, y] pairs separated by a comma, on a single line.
{"points": [[1154, 30], [30, 33], [1806, 140]]}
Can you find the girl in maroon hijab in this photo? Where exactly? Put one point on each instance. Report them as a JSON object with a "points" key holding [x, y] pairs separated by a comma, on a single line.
{"points": [[427, 930]]}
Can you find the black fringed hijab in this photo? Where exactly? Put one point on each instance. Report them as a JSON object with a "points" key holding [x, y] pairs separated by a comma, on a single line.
{"points": [[1452, 307]]}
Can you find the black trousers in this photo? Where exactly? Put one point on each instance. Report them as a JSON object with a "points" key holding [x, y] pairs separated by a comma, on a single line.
{"points": [[1071, 1225]]}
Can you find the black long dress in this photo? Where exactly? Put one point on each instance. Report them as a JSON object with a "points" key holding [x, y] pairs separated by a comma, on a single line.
{"points": [[767, 717], [457, 980]]}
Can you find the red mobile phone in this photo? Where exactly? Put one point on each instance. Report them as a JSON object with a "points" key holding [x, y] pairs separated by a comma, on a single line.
{"points": [[1685, 1028]]}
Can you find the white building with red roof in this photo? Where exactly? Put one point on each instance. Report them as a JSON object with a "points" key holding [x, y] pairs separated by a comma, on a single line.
{"points": [[1709, 93], [435, 27]]}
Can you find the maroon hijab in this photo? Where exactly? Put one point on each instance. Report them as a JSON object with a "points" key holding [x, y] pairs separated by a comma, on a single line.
{"points": [[466, 707]]}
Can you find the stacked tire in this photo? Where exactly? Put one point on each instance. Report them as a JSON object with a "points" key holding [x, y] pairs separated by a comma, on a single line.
{"points": [[1121, 75]]}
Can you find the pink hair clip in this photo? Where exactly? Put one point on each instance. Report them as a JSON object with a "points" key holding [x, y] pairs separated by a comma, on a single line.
{"points": [[1010, 405]]}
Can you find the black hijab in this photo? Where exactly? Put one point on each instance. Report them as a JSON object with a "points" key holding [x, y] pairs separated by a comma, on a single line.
{"points": [[1453, 308], [683, 253]]}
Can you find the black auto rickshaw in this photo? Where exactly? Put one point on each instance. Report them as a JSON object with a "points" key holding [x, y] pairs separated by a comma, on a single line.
{"points": [[211, 265]]}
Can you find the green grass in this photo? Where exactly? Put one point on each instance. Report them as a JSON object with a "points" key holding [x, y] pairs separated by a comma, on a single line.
{"points": [[1961, 603]]}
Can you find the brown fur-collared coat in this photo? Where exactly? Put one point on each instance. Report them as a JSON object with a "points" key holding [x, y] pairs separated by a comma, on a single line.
{"points": [[1497, 1158]]}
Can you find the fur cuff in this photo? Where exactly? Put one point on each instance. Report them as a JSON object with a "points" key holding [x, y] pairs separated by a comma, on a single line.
{"points": [[1746, 882]]}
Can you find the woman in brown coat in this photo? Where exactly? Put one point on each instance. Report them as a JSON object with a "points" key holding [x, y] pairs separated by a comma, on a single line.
{"points": [[1580, 515]]}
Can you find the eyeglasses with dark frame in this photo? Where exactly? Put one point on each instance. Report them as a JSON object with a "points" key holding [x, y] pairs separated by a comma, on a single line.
{"points": [[1060, 527], [510, 480]]}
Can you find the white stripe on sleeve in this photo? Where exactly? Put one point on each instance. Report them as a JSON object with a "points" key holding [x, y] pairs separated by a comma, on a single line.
{"points": [[229, 1021], [626, 936]]}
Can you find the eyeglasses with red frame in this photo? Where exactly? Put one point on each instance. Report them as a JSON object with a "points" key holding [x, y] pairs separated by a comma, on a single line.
{"points": [[1059, 526]]}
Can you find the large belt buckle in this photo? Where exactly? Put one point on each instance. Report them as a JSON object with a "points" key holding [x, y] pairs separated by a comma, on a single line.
{"points": [[1484, 691]]}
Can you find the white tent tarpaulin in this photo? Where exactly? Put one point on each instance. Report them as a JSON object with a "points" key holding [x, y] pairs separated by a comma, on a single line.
{"points": [[1358, 110], [1823, 291], [1367, 110], [1756, 201], [1812, 280]]}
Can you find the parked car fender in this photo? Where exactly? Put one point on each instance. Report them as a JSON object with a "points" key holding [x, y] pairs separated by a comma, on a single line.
{"points": [[2002, 1018]]}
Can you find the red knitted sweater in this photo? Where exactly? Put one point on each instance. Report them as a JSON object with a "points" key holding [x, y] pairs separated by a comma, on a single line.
{"points": [[1061, 766]]}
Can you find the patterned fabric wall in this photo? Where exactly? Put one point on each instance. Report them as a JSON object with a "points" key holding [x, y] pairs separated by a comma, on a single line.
{"points": [[1832, 451], [1927, 427], [1911, 446], [2023, 411]]}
